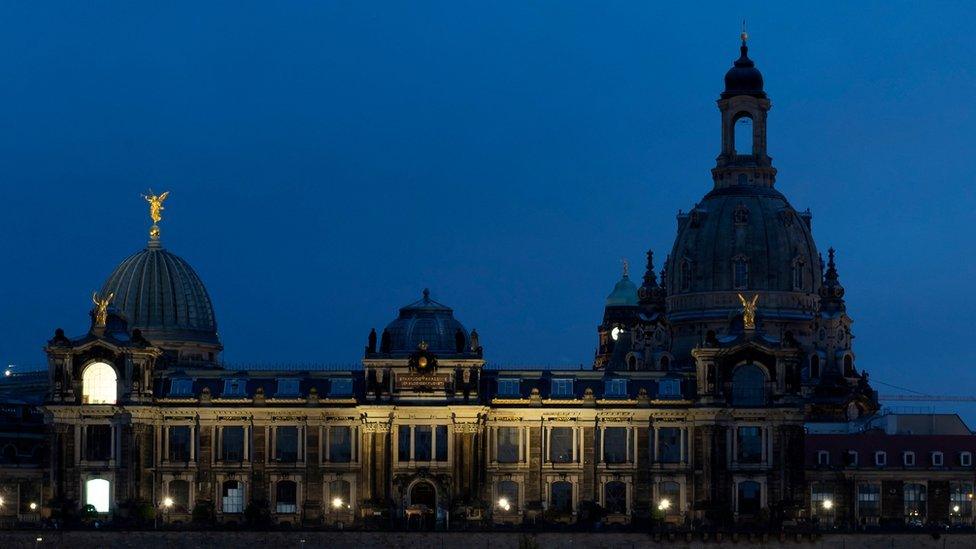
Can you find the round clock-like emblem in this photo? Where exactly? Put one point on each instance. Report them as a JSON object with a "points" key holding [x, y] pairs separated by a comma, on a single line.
{"points": [[422, 362]]}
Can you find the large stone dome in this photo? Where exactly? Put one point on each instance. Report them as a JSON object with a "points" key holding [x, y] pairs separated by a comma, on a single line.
{"points": [[426, 321], [160, 294]]}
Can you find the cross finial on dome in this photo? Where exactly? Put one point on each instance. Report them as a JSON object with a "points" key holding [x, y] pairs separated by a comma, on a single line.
{"points": [[744, 35], [426, 295], [626, 265]]}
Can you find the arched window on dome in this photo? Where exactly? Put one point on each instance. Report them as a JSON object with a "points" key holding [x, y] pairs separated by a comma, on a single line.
{"points": [[740, 216], [748, 386], [684, 275], [742, 136], [740, 272], [798, 273], [99, 384]]}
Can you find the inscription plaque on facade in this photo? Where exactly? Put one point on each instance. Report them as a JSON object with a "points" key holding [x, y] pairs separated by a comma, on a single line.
{"points": [[420, 382]]}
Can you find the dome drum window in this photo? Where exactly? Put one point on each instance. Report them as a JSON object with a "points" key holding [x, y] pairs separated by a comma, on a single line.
{"points": [[740, 272]]}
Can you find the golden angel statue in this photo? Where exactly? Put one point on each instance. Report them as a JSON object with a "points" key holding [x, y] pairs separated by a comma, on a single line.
{"points": [[155, 205], [749, 311], [101, 307]]}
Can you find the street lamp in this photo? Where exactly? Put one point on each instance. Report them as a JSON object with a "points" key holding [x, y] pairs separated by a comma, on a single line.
{"points": [[33, 506], [664, 505], [828, 504], [955, 509], [504, 504]]}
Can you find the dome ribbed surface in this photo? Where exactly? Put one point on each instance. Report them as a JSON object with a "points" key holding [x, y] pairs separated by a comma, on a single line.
{"points": [[160, 294], [428, 321], [624, 294]]}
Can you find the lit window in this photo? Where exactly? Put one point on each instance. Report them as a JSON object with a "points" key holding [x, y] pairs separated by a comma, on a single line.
{"points": [[341, 387], [615, 388], [823, 458], [937, 459], [99, 384], [287, 388], [909, 459], [869, 500], [234, 388], [508, 388], [914, 496], [562, 388], [232, 497], [961, 498], [820, 494], [180, 387], [286, 497], [97, 494], [669, 388], [880, 459], [966, 459]]}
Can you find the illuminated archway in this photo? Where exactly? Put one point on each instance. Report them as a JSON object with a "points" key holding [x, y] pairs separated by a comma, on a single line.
{"points": [[99, 384], [98, 494]]}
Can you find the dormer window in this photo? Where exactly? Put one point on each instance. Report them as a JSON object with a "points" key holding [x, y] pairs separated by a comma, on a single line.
{"points": [[669, 388], [287, 388], [823, 458], [908, 458], [966, 459], [937, 459], [852, 458], [340, 387], [234, 388], [615, 388], [181, 387], [740, 272], [509, 388], [562, 388], [880, 459]]}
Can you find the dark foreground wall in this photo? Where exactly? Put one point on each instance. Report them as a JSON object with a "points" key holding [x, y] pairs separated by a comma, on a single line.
{"points": [[362, 540]]}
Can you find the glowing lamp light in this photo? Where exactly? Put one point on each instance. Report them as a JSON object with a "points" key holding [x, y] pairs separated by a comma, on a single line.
{"points": [[8, 373], [167, 502], [615, 333], [33, 506], [503, 503], [664, 505], [828, 504], [336, 503]]}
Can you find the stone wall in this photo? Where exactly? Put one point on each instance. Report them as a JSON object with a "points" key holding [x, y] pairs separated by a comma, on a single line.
{"points": [[474, 540]]}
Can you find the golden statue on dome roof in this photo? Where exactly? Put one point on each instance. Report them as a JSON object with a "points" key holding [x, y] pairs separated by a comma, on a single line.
{"points": [[749, 311], [101, 307], [155, 209]]}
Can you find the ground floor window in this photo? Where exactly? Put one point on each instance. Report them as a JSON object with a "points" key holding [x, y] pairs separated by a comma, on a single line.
{"points": [[669, 498], [749, 497], [961, 498], [915, 501], [821, 500], [339, 494], [869, 500], [286, 497], [561, 497], [179, 492], [232, 497], [98, 494], [508, 495], [615, 497]]}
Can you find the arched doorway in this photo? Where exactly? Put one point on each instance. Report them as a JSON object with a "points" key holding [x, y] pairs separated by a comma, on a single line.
{"points": [[423, 493], [421, 513]]}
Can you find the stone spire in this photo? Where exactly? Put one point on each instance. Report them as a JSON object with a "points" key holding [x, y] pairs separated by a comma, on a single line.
{"points": [[831, 292], [651, 293]]}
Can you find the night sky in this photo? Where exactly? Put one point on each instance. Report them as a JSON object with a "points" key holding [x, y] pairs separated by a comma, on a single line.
{"points": [[329, 160]]}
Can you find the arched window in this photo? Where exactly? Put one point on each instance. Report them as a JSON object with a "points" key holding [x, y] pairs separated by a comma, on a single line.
{"points": [[98, 494], [742, 138], [508, 499], [99, 384], [815, 366], [684, 275], [748, 386], [740, 272], [750, 497], [669, 498], [179, 491], [561, 497], [8, 454], [286, 497], [615, 497], [339, 494], [232, 497], [665, 363], [740, 216], [797, 274]]}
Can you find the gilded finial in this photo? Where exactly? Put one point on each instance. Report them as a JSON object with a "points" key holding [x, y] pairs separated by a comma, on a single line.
{"points": [[749, 311], [744, 35], [155, 211], [101, 308], [626, 265]]}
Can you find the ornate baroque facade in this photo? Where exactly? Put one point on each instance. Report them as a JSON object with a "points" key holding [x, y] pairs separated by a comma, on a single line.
{"points": [[703, 380]]}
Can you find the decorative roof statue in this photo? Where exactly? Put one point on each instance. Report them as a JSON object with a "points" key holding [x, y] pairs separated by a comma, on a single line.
{"points": [[101, 308], [749, 311], [155, 209]]}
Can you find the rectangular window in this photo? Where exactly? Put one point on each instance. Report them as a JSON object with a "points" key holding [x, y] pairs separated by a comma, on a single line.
{"points": [[823, 458], [440, 437], [234, 388], [232, 497], [820, 493], [880, 459], [340, 387], [181, 387], [507, 444], [615, 445], [914, 495], [422, 442], [98, 442], [286, 444], [615, 388], [508, 388], [561, 444], [750, 445], [232, 444], [966, 459], [403, 443], [669, 445], [669, 388], [741, 274], [562, 388], [340, 444], [179, 443], [287, 388], [908, 458], [286, 497], [869, 500], [961, 498], [851, 458], [937, 459]]}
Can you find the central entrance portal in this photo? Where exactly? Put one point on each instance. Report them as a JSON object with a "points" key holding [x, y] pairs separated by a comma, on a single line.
{"points": [[423, 506], [423, 493]]}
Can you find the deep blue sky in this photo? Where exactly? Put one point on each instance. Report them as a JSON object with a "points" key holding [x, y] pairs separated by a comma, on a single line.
{"points": [[326, 162]]}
